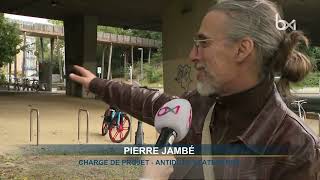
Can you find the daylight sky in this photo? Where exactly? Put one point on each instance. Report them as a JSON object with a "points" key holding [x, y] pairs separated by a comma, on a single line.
{"points": [[27, 18]]}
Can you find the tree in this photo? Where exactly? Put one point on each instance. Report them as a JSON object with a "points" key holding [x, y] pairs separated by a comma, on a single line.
{"points": [[131, 32], [314, 53], [9, 38], [147, 34]]}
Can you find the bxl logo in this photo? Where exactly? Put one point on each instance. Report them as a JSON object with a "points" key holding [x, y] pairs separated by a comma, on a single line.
{"points": [[284, 24], [165, 110]]}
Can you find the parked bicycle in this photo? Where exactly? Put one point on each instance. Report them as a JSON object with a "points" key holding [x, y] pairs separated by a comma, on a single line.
{"points": [[35, 85], [16, 84], [117, 123], [301, 111], [25, 84]]}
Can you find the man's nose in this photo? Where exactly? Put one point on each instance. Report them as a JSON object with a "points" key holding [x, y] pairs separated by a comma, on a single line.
{"points": [[194, 54]]}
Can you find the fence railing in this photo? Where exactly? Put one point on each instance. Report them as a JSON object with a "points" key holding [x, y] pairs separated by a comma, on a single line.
{"points": [[55, 30]]}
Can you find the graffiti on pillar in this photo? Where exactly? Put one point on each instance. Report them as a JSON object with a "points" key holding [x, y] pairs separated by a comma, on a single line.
{"points": [[184, 76]]}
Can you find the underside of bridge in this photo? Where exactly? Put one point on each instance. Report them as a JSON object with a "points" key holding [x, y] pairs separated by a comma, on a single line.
{"points": [[143, 14], [139, 14], [178, 20]]}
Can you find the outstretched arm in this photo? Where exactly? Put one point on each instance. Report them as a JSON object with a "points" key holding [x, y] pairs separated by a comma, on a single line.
{"points": [[141, 103]]}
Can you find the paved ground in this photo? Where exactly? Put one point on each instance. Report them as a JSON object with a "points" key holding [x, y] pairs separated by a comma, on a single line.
{"points": [[58, 120], [58, 125]]}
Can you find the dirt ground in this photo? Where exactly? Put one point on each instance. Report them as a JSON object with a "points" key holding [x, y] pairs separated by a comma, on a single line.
{"points": [[58, 125], [58, 120]]}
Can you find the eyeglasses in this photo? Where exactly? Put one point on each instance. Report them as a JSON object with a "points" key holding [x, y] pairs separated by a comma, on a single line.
{"points": [[201, 42]]}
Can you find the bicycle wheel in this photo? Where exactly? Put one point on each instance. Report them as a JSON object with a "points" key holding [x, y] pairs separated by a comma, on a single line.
{"points": [[104, 128], [119, 133]]}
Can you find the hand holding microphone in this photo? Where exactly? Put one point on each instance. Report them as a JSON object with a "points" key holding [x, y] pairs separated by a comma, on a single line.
{"points": [[172, 121]]}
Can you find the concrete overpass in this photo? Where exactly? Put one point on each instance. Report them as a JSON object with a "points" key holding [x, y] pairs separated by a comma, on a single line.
{"points": [[54, 31], [178, 20]]}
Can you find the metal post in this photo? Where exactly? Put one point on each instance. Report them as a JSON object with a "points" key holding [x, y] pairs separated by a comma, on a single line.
{"points": [[87, 134], [149, 57], [109, 65], [31, 126], [130, 69], [102, 60], [139, 138], [299, 109], [132, 58], [139, 134], [124, 63], [141, 61]]}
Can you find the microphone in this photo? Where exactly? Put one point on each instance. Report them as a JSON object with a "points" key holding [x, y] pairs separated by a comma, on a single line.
{"points": [[173, 121]]}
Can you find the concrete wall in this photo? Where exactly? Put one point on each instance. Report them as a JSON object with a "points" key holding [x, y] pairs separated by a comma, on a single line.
{"points": [[181, 21]]}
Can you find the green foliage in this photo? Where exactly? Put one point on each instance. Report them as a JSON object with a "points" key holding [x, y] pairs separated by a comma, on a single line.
{"points": [[9, 38], [56, 22], [114, 30], [314, 54], [147, 34], [312, 80], [153, 72], [57, 54], [157, 57], [46, 50], [131, 32], [2, 79]]}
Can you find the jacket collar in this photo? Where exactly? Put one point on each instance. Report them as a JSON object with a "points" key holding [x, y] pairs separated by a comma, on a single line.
{"points": [[266, 124], [246, 105]]}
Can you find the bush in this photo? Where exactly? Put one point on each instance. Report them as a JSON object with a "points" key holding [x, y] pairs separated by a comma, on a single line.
{"points": [[2, 79], [153, 73], [312, 80]]}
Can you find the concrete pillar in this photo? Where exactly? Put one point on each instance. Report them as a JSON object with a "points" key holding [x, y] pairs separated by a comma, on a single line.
{"points": [[181, 20], [80, 48]]}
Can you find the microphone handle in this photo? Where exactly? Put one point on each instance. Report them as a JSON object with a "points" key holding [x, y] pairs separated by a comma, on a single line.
{"points": [[166, 137]]}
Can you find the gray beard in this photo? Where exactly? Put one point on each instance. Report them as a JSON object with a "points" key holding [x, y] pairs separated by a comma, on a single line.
{"points": [[205, 88]]}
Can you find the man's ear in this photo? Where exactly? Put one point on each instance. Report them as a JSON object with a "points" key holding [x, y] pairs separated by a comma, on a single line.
{"points": [[244, 49]]}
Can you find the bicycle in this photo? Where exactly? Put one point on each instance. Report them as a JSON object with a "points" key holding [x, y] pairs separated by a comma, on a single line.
{"points": [[16, 84], [35, 85], [26, 84], [301, 111], [117, 123]]}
